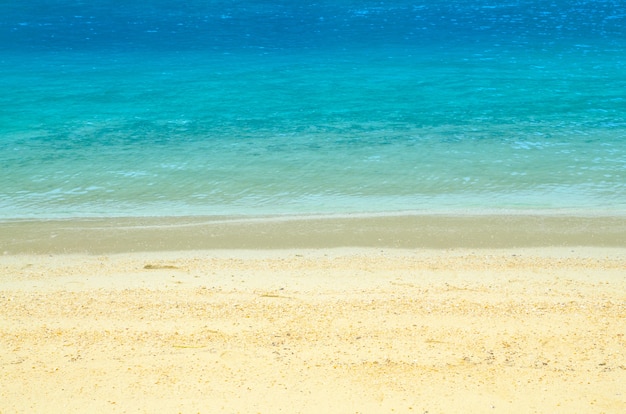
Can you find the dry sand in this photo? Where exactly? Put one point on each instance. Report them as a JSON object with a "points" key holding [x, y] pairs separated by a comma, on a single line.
{"points": [[367, 330]]}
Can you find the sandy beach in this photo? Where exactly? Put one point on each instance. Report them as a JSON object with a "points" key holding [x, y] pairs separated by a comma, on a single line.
{"points": [[521, 329]]}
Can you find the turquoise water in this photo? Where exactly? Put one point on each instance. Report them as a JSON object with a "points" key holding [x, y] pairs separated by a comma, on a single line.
{"points": [[274, 107]]}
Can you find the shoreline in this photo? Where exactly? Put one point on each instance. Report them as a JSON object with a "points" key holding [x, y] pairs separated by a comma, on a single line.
{"points": [[425, 231], [420, 313]]}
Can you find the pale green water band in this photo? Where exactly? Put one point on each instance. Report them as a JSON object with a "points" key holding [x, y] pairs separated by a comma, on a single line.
{"points": [[117, 235]]}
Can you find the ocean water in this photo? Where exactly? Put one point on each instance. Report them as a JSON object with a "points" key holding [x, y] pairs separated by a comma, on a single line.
{"points": [[268, 107]]}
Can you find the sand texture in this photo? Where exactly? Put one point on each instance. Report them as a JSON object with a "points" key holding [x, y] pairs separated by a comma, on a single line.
{"points": [[315, 331]]}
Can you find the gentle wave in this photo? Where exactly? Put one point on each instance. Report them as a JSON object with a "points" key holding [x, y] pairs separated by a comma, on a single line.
{"points": [[333, 107]]}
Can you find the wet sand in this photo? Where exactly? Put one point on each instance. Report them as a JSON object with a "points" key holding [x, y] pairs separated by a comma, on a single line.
{"points": [[121, 235], [520, 329]]}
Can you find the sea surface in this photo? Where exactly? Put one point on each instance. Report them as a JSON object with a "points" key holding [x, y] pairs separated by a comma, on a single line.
{"points": [[280, 107]]}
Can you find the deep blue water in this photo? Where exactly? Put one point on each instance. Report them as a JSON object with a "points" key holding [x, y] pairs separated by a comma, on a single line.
{"points": [[111, 108]]}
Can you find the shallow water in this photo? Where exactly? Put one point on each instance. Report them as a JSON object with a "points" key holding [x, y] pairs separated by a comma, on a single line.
{"points": [[275, 107]]}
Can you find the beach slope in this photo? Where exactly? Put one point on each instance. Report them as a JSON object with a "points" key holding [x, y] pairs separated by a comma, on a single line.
{"points": [[515, 330]]}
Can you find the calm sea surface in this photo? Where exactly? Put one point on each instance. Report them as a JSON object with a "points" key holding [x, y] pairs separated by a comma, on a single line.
{"points": [[111, 108]]}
